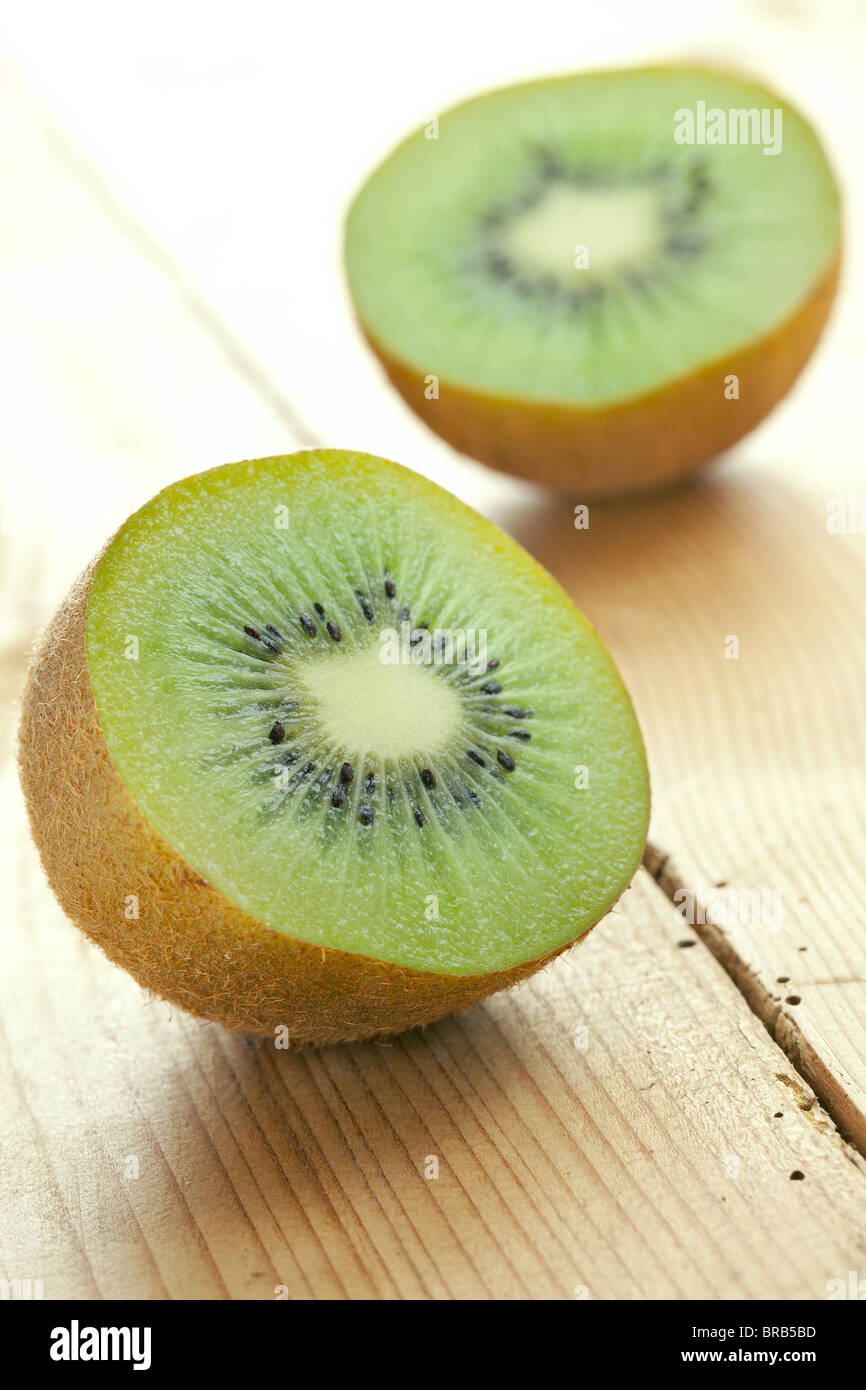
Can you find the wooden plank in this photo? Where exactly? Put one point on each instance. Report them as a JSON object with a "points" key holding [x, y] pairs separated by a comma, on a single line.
{"points": [[622, 1123], [757, 761]]}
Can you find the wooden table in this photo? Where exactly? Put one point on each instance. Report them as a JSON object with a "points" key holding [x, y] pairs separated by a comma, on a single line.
{"points": [[674, 1112]]}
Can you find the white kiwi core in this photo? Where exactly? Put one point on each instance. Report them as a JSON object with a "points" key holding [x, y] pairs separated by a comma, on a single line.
{"points": [[393, 708], [620, 229]]}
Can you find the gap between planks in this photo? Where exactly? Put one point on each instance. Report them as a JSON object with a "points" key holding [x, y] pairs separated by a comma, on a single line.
{"points": [[779, 1022]]}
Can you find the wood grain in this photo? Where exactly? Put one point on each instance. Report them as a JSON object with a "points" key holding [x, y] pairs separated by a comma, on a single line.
{"points": [[758, 762], [647, 1156]]}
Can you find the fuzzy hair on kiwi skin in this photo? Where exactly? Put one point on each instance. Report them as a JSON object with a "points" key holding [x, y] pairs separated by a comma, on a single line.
{"points": [[640, 445], [190, 944]]}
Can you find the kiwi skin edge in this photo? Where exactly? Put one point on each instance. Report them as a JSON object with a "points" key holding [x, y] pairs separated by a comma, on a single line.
{"points": [[640, 445], [190, 944]]}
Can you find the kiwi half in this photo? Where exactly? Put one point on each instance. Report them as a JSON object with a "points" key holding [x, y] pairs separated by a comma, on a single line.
{"points": [[268, 777], [562, 290]]}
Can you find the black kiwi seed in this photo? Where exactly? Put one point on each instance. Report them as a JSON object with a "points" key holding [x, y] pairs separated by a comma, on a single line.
{"points": [[403, 615], [307, 624], [428, 778], [347, 772], [476, 757], [319, 609], [365, 606], [492, 665], [505, 760], [272, 646], [251, 632], [369, 784], [474, 797], [274, 631], [307, 769], [365, 815], [390, 588], [515, 712], [290, 757], [277, 733], [491, 688], [419, 817], [338, 796], [334, 631], [523, 734]]}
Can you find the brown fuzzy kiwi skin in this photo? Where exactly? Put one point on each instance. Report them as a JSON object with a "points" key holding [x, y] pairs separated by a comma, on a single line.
{"points": [[639, 445], [189, 943]]}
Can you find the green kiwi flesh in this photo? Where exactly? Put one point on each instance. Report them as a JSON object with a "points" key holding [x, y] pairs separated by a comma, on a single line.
{"points": [[554, 245], [274, 649]]}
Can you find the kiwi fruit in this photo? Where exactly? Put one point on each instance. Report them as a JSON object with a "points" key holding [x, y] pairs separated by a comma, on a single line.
{"points": [[313, 746], [563, 290]]}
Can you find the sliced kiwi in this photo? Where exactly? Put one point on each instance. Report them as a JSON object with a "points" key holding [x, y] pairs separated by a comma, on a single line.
{"points": [[563, 290], [312, 744]]}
